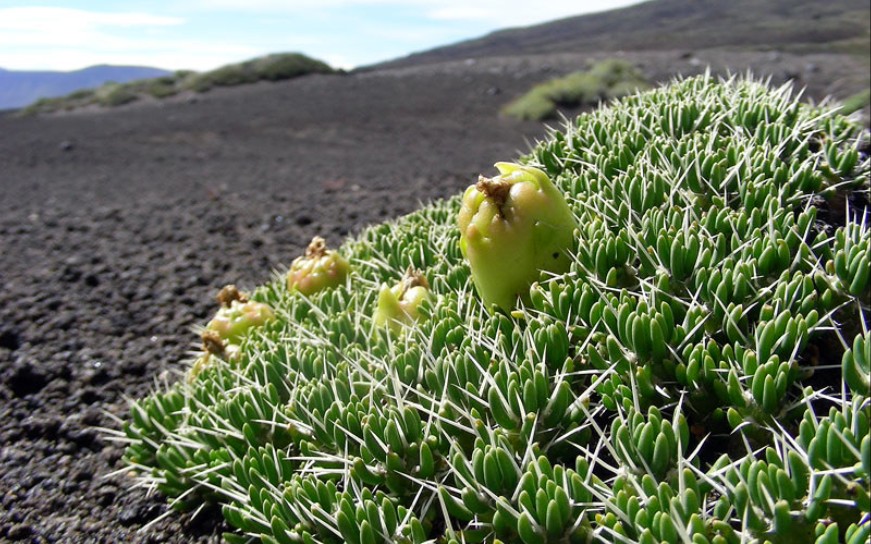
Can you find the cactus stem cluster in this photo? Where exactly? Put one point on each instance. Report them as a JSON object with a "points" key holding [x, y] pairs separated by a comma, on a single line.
{"points": [[653, 382]]}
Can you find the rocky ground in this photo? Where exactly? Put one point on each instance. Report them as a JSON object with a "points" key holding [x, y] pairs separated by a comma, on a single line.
{"points": [[118, 227]]}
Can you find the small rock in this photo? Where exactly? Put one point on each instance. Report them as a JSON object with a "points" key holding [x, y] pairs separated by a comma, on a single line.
{"points": [[137, 513], [20, 531], [36, 426], [26, 379], [83, 474], [333, 185], [96, 375], [9, 339], [106, 496]]}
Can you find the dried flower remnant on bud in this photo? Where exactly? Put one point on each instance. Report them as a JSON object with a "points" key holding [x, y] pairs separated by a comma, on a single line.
{"points": [[213, 343], [495, 189], [317, 248], [229, 294], [213, 346]]}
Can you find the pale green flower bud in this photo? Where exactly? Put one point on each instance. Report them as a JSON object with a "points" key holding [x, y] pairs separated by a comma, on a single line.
{"points": [[400, 304], [512, 227]]}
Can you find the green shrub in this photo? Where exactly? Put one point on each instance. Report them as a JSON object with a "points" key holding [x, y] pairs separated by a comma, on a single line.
{"points": [[576, 89], [607, 79], [81, 95], [287, 66], [77, 99], [686, 380], [270, 68], [613, 71], [533, 106], [161, 87], [225, 76], [623, 88], [43, 105], [114, 94]]}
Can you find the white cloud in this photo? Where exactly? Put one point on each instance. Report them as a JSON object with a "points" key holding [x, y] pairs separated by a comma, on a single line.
{"points": [[288, 5], [339, 61], [496, 12], [54, 19], [53, 38]]}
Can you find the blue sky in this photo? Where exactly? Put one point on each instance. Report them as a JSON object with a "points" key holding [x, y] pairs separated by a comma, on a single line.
{"points": [[205, 34]]}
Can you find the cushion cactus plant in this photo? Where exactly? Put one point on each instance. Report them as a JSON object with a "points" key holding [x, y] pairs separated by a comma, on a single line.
{"points": [[697, 371]]}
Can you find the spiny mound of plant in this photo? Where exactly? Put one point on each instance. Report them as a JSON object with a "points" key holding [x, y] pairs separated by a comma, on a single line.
{"points": [[699, 371], [605, 80]]}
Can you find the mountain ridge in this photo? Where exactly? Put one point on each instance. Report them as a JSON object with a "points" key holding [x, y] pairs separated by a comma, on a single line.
{"points": [[798, 26]]}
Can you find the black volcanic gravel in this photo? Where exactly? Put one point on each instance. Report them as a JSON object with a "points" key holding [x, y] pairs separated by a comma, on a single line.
{"points": [[117, 228]]}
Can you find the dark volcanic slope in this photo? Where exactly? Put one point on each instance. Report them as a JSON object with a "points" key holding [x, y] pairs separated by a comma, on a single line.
{"points": [[117, 227], [806, 25]]}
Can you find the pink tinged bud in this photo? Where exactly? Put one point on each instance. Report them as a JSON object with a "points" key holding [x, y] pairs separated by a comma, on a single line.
{"points": [[319, 268], [236, 317]]}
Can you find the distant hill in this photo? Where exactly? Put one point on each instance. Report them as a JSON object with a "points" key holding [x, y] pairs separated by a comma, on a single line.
{"points": [[788, 25], [19, 88], [274, 67]]}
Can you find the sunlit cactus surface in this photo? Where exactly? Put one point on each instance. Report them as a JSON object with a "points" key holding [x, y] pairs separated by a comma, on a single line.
{"points": [[699, 371]]}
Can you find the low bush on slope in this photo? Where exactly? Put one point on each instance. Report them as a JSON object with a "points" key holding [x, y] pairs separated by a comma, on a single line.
{"points": [[605, 80]]}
